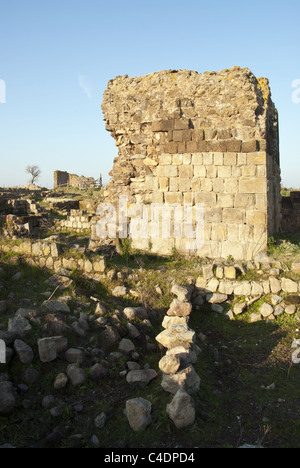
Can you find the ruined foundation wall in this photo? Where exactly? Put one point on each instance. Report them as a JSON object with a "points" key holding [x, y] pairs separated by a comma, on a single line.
{"points": [[209, 138], [63, 178]]}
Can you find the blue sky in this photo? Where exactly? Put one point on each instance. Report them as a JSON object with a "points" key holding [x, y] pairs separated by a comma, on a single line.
{"points": [[56, 57]]}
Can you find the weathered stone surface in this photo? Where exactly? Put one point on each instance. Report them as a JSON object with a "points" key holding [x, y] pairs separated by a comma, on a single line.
{"points": [[108, 339], [126, 346], [174, 320], [19, 325], [239, 308], [186, 379], [74, 356], [61, 381], [183, 293], [56, 306], [76, 375], [138, 412], [176, 335], [7, 401], [179, 309], [289, 285], [169, 364], [182, 409], [135, 313], [141, 376], [216, 298], [98, 372], [50, 347], [176, 145], [24, 352], [266, 310]]}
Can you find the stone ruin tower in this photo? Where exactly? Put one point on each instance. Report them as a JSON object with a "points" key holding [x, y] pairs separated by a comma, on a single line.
{"points": [[190, 138]]}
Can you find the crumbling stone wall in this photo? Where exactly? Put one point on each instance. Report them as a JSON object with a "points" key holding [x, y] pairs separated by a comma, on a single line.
{"points": [[63, 178], [211, 138], [290, 221]]}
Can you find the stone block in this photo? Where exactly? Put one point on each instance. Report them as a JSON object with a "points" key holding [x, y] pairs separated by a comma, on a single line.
{"points": [[211, 171], [257, 158], [208, 199], [165, 159], [234, 145], [250, 146], [184, 185], [186, 158], [206, 185], [197, 159], [218, 159], [225, 200], [164, 184], [177, 159], [255, 217], [253, 185], [208, 159], [230, 159], [199, 171], [233, 216], [174, 184], [180, 124], [224, 171], [244, 200], [171, 147], [186, 172], [173, 197], [167, 171]]}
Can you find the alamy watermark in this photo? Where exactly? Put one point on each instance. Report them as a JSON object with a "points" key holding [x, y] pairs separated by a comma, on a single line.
{"points": [[152, 221], [2, 92], [2, 352], [296, 93]]}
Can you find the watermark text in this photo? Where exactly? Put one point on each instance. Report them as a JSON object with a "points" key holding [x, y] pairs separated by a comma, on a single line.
{"points": [[2, 352], [152, 221], [296, 93], [2, 92]]}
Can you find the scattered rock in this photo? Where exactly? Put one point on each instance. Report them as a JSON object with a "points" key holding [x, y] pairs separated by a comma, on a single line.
{"points": [[141, 376], [266, 310], [56, 307], [100, 420], [98, 372], [61, 381], [50, 347], [24, 352], [138, 412], [74, 356], [76, 375], [119, 291], [135, 313], [19, 325]]}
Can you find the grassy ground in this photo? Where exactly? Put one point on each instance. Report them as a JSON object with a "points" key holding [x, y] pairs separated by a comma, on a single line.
{"points": [[249, 392]]}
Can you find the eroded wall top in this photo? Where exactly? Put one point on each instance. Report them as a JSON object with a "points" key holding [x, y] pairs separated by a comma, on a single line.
{"points": [[182, 111]]}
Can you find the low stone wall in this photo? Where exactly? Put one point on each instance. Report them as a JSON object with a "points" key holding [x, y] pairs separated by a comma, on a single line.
{"points": [[78, 221], [63, 178], [46, 254]]}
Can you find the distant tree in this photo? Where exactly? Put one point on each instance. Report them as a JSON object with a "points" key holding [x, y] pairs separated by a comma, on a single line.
{"points": [[34, 172]]}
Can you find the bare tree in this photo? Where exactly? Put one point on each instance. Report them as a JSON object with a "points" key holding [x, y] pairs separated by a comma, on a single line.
{"points": [[34, 172]]}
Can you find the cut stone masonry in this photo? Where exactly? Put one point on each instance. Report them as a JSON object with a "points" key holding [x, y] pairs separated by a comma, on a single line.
{"points": [[211, 138]]}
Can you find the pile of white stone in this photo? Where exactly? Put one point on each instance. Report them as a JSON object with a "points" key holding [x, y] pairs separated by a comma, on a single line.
{"points": [[178, 374]]}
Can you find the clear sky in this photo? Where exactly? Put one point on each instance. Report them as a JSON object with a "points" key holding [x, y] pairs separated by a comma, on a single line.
{"points": [[56, 57]]}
